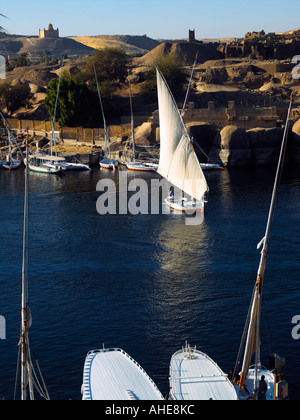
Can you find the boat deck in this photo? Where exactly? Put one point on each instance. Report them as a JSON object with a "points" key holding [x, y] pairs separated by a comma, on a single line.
{"points": [[249, 395], [111, 374], [194, 376]]}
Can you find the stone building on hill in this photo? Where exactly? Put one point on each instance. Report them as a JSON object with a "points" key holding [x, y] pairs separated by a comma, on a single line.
{"points": [[192, 37], [50, 32]]}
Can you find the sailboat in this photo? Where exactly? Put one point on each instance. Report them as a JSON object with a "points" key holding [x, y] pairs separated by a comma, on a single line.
{"points": [[195, 376], [106, 162], [133, 165], [251, 380], [178, 162], [48, 163], [52, 163], [111, 374], [44, 163], [10, 162], [29, 379]]}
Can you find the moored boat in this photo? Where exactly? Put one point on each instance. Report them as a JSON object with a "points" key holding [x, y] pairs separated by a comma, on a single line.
{"points": [[111, 374], [195, 376], [211, 166], [257, 382], [44, 163], [106, 162], [70, 166], [133, 165], [142, 166], [11, 164]]}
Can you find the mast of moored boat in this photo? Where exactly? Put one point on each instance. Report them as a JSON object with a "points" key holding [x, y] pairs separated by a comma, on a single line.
{"points": [[106, 143], [253, 321], [26, 375], [52, 140], [132, 124]]}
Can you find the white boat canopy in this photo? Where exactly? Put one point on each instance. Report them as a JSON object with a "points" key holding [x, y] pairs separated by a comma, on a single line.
{"points": [[111, 374], [48, 158], [195, 376]]}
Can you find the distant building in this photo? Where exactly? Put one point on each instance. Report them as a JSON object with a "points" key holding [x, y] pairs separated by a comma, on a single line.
{"points": [[192, 37], [49, 32]]}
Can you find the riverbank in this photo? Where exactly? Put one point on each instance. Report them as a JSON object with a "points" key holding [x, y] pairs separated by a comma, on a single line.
{"points": [[230, 146]]}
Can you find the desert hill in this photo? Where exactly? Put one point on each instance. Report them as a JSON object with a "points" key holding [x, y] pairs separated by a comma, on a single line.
{"points": [[132, 44], [253, 71], [12, 45], [184, 50], [33, 46]]}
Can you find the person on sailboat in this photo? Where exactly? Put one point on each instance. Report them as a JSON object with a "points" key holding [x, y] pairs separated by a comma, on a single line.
{"points": [[262, 389], [172, 195]]}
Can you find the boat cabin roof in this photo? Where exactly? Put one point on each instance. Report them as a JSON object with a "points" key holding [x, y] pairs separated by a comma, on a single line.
{"points": [[111, 374], [48, 157]]}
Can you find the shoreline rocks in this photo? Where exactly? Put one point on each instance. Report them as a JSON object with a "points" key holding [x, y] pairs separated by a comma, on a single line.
{"points": [[233, 146]]}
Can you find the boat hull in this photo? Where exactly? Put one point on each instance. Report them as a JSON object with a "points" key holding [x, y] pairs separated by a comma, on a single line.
{"points": [[109, 164], [184, 205], [74, 167], [194, 376], [45, 169], [211, 166], [15, 164], [141, 166]]}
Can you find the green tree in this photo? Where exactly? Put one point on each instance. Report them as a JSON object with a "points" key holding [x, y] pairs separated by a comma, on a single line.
{"points": [[14, 97], [21, 60], [111, 65], [76, 103], [170, 66]]}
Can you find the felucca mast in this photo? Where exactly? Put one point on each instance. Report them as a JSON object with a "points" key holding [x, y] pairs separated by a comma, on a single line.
{"points": [[103, 116], [132, 123], [52, 140], [253, 322], [189, 86], [10, 135], [26, 374]]}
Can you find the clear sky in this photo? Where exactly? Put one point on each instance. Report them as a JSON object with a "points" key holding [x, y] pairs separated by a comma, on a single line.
{"points": [[158, 19]]}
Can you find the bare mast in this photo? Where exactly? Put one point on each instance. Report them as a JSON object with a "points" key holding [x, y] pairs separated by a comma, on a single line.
{"points": [[253, 321], [26, 374]]}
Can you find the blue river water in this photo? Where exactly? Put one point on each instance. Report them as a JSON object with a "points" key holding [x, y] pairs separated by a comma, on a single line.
{"points": [[146, 283]]}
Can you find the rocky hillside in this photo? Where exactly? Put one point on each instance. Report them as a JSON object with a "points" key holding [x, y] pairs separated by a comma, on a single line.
{"points": [[225, 71], [185, 51], [132, 44], [260, 45], [12, 45]]}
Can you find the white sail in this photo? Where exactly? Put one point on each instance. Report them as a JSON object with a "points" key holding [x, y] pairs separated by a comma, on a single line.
{"points": [[178, 161]]}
